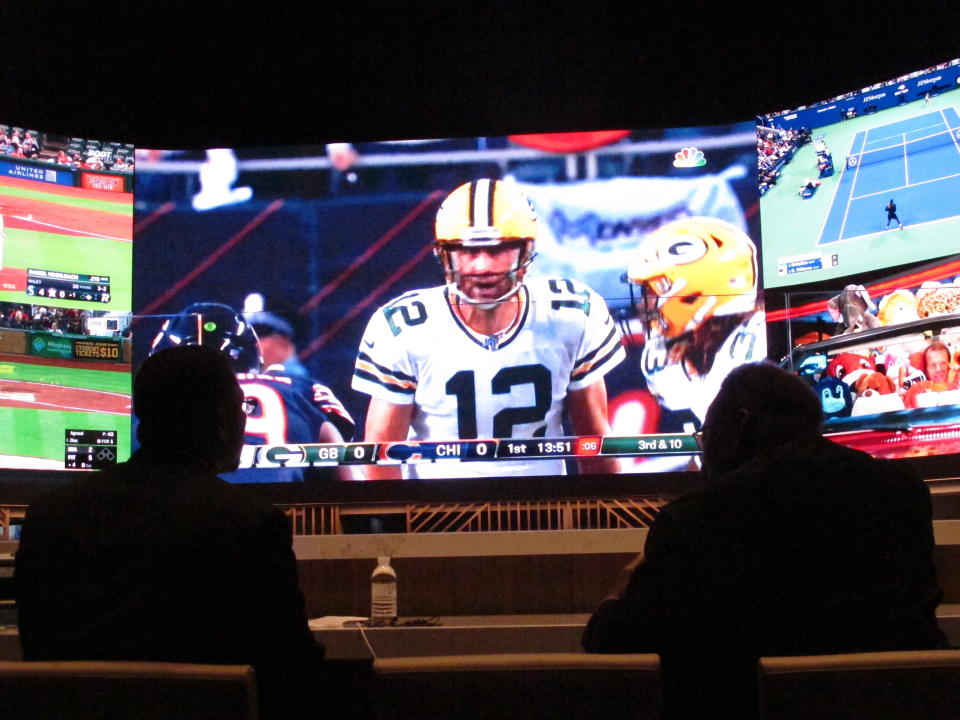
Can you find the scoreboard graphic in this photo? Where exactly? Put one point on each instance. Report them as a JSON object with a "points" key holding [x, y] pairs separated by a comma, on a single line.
{"points": [[408, 452]]}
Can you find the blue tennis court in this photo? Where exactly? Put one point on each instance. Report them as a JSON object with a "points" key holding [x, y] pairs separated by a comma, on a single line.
{"points": [[916, 162]]}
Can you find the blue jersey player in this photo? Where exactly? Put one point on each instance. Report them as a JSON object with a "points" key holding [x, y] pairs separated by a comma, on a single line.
{"points": [[282, 408]]}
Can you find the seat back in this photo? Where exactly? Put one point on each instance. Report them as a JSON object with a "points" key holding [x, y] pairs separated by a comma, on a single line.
{"points": [[93, 690], [535, 685], [908, 685]]}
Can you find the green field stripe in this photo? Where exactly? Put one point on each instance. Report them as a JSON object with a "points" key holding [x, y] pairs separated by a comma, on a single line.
{"points": [[40, 433], [117, 208], [106, 380], [70, 253]]}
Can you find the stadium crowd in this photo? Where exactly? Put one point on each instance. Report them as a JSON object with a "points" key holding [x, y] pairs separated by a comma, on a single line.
{"points": [[19, 316], [96, 160], [15, 144], [78, 154], [774, 149]]}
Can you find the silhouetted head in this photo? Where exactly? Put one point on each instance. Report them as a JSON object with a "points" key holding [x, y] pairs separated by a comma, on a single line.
{"points": [[758, 406], [189, 405]]}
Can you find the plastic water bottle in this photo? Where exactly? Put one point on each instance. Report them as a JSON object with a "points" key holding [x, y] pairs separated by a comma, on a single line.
{"points": [[383, 593]]}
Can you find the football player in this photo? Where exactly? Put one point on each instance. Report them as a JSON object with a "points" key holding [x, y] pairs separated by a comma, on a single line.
{"points": [[281, 408], [491, 353], [698, 287]]}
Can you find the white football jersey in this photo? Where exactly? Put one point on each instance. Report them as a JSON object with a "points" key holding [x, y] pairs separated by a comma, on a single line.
{"points": [[466, 385], [678, 389]]}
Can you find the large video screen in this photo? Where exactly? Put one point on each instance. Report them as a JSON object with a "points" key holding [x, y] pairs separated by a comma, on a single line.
{"points": [[488, 306], [860, 213], [865, 181], [66, 232]]}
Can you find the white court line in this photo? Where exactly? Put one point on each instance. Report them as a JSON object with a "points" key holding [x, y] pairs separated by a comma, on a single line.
{"points": [[885, 231], [891, 137], [881, 192], [943, 127], [69, 387], [952, 131], [73, 230], [904, 187], [903, 144], [906, 172], [853, 187], [836, 189], [883, 139]]}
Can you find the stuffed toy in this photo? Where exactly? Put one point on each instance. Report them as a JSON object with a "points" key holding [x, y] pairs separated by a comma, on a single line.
{"points": [[850, 309], [835, 396]]}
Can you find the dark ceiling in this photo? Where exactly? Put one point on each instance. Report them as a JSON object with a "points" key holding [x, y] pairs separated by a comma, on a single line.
{"points": [[202, 73]]}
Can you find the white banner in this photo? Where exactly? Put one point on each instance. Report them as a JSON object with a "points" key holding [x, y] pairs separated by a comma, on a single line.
{"points": [[588, 230]]}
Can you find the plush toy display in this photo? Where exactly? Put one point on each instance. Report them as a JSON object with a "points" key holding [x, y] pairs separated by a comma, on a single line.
{"points": [[850, 309], [938, 299], [872, 380], [848, 367], [836, 399], [913, 397], [900, 306]]}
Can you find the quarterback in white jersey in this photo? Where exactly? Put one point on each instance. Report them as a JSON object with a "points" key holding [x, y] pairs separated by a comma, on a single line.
{"points": [[698, 278], [490, 354]]}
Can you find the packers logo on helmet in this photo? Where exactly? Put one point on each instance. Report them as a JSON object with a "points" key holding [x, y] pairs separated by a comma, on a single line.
{"points": [[216, 326], [694, 269], [485, 213]]}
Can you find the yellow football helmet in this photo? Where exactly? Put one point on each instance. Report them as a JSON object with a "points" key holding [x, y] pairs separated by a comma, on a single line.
{"points": [[694, 269], [485, 213]]}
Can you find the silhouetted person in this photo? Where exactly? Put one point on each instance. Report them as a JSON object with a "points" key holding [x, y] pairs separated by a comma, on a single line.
{"points": [[158, 559], [794, 546]]}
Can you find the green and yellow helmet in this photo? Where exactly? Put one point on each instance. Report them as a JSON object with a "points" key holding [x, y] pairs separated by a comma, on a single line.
{"points": [[695, 268], [485, 213]]}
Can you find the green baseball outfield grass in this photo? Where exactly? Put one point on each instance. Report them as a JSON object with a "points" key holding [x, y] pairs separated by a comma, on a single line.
{"points": [[51, 227], [846, 218], [40, 400]]}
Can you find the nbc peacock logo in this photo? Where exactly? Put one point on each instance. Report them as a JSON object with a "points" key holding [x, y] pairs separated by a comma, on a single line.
{"points": [[689, 157]]}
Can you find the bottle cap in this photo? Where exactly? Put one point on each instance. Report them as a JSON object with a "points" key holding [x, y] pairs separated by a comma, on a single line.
{"points": [[383, 560]]}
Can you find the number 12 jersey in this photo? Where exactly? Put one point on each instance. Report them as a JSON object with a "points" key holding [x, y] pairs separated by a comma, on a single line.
{"points": [[416, 349]]}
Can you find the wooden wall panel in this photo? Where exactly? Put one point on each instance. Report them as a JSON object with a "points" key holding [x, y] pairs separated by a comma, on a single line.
{"points": [[516, 585]]}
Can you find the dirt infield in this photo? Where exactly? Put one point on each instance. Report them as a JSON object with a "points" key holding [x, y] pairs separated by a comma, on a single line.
{"points": [[41, 396], [28, 214], [45, 396]]}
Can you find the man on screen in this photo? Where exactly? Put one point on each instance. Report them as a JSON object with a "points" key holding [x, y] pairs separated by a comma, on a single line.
{"points": [[492, 353], [937, 366]]}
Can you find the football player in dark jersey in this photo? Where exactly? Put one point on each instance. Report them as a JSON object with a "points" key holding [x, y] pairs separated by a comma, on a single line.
{"points": [[282, 408]]}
